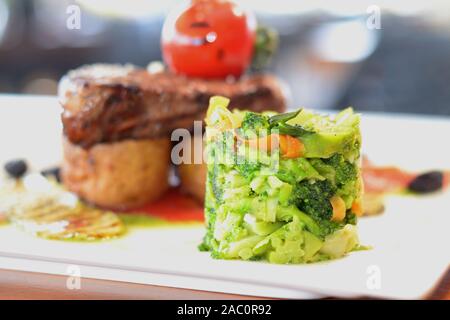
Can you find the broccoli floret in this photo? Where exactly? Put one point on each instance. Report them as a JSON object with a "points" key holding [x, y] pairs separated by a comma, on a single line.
{"points": [[213, 177], [207, 243], [328, 227], [255, 122], [350, 218], [345, 171], [247, 168], [313, 198]]}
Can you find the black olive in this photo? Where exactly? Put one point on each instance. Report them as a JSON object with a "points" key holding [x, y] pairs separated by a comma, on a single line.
{"points": [[52, 172], [16, 168], [427, 182]]}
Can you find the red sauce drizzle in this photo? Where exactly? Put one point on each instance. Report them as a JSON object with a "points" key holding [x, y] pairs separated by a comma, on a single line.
{"points": [[175, 206]]}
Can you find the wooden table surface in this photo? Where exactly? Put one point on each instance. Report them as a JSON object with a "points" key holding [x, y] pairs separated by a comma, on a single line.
{"points": [[28, 285]]}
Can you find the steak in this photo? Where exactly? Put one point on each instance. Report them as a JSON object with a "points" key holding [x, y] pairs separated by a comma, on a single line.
{"points": [[109, 103]]}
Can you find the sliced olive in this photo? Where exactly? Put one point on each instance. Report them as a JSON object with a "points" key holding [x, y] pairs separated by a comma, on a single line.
{"points": [[53, 173], [427, 182], [16, 168]]}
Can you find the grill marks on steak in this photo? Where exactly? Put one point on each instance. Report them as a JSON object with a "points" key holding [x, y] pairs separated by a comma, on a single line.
{"points": [[109, 114], [141, 105]]}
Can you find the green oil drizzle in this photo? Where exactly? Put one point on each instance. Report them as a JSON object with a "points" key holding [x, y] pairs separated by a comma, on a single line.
{"points": [[147, 221]]}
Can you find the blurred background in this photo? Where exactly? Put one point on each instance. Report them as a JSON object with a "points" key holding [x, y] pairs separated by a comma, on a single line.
{"points": [[328, 57]]}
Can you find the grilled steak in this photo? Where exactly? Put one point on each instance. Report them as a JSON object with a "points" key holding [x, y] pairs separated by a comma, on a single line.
{"points": [[105, 103]]}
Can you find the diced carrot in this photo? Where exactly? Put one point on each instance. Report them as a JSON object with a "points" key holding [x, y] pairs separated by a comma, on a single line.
{"points": [[291, 147], [264, 143], [357, 208], [338, 205]]}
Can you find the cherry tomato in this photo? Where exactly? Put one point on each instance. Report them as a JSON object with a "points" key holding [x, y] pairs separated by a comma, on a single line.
{"points": [[209, 39]]}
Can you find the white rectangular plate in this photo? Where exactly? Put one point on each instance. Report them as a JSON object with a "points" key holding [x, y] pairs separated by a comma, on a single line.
{"points": [[410, 240]]}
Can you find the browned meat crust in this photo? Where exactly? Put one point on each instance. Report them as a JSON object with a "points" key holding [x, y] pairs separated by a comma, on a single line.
{"points": [[134, 104]]}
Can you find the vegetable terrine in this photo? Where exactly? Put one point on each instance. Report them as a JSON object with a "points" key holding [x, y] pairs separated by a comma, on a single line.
{"points": [[285, 188]]}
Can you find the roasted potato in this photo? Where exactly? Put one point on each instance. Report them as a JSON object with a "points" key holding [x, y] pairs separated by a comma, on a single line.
{"points": [[119, 175], [193, 176], [193, 180]]}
